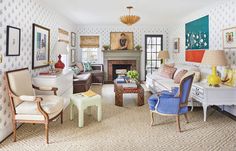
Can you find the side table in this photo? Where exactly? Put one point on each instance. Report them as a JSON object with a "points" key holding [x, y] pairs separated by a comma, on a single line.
{"points": [[120, 90]]}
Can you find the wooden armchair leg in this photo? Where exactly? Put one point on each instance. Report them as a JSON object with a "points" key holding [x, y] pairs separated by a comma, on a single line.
{"points": [[152, 120], [178, 124], [14, 131], [61, 117], [46, 133], [186, 118]]}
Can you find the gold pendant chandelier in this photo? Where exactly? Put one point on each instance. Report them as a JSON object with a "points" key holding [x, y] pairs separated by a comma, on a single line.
{"points": [[129, 19]]}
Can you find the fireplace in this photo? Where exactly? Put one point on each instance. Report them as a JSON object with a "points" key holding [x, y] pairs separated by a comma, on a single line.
{"points": [[116, 67], [120, 69], [120, 57]]}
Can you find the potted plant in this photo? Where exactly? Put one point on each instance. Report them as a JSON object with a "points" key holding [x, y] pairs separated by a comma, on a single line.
{"points": [[106, 47], [138, 47], [133, 75]]}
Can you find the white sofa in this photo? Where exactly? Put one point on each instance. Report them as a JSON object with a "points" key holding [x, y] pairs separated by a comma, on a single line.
{"points": [[156, 83]]}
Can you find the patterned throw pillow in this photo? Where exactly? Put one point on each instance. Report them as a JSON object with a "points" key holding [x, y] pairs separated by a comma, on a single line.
{"points": [[167, 71], [197, 76], [87, 66], [179, 76], [76, 70], [80, 66]]}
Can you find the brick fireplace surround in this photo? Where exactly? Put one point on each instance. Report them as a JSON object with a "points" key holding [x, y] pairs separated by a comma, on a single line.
{"points": [[119, 62], [120, 57]]}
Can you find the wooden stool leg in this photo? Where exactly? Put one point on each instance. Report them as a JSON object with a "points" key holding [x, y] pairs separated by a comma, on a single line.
{"points": [[152, 119], [141, 97], [186, 118], [62, 117], [46, 132], [178, 124], [14, 131]]}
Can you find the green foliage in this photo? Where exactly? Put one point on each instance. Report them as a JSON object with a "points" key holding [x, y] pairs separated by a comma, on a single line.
{"points": [[106, 47], [138, 47], [133, 74]]}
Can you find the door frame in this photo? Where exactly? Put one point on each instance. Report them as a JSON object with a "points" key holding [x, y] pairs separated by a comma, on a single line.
{"points": [[151, 35]]}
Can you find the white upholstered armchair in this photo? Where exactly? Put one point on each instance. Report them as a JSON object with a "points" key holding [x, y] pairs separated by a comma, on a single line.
{"points": [[26, 107]]}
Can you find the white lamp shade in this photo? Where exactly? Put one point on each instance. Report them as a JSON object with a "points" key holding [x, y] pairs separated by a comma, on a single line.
{"points": [[61, 48], [214, 58]]}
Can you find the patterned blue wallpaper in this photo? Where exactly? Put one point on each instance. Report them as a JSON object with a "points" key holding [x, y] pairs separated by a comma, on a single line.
{"points": [[21, 14]]}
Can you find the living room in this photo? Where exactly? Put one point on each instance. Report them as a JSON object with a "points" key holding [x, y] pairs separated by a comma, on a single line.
{"points": [[113, 65]]}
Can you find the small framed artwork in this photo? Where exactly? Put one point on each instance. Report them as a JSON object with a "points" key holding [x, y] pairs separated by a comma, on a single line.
{"points": [[13, 41], [72, 55], [122, 40], [229, 38], [41, 46], [73, 39], [176, 45]]}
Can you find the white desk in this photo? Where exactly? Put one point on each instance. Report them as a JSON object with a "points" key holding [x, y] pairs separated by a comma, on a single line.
{"points": [[64, 83], [223, 95]]}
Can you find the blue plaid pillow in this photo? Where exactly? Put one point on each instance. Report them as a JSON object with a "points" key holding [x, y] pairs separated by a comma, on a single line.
{"points": [[76, 70], [87, 66]]}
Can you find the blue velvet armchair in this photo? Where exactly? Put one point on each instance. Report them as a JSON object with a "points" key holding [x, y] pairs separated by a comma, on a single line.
{"points": [[174, 103]]}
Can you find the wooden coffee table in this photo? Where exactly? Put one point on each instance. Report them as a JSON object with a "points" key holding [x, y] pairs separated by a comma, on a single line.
{"points": [[120, 90]]}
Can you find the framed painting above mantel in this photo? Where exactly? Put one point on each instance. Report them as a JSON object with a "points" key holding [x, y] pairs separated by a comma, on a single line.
{"points": [[122, 41]]}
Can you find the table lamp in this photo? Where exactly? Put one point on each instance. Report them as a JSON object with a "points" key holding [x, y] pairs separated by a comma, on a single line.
{"points": [[214, 58], [59, 49], [163, 55]]}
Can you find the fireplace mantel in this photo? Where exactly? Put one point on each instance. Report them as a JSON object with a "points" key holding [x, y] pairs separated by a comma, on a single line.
{"points": [[121, 55]]}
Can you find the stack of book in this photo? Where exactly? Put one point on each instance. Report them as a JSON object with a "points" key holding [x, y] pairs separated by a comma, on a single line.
{"points": [[48, 74], [122, 79], [129, 85]]}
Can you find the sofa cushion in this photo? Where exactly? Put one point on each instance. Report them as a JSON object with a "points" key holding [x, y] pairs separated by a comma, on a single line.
{"points": [[168, 71], [184, 67], [97, 72], [87, 66], [80, 66], [179, 76], [83, 76], [197, 76], [50, 104], [76, 70]]}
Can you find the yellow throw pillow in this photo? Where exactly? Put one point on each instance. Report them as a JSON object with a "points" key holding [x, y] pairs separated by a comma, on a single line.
{"points": [[230, 77]]}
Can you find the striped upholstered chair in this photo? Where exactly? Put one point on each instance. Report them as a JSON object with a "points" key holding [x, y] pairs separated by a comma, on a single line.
{"points": [[26, 107], [171, 103]]}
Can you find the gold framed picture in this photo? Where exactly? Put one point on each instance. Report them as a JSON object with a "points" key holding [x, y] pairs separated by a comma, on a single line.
{"points": [[122, 41], [229, 38]]}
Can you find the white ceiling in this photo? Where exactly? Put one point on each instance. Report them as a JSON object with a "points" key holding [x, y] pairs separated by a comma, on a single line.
{"points": [[152, 12]]}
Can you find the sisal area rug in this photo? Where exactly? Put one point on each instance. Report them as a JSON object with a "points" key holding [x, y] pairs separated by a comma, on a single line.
{"points": [[128, 128]]}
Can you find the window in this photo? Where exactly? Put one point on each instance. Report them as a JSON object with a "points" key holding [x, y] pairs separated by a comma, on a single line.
{"points": [[90, 55], [90, 47], [153, 45]]}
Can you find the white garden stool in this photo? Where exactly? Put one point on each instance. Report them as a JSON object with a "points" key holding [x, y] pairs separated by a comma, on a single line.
{"points": [[82, 102]]}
